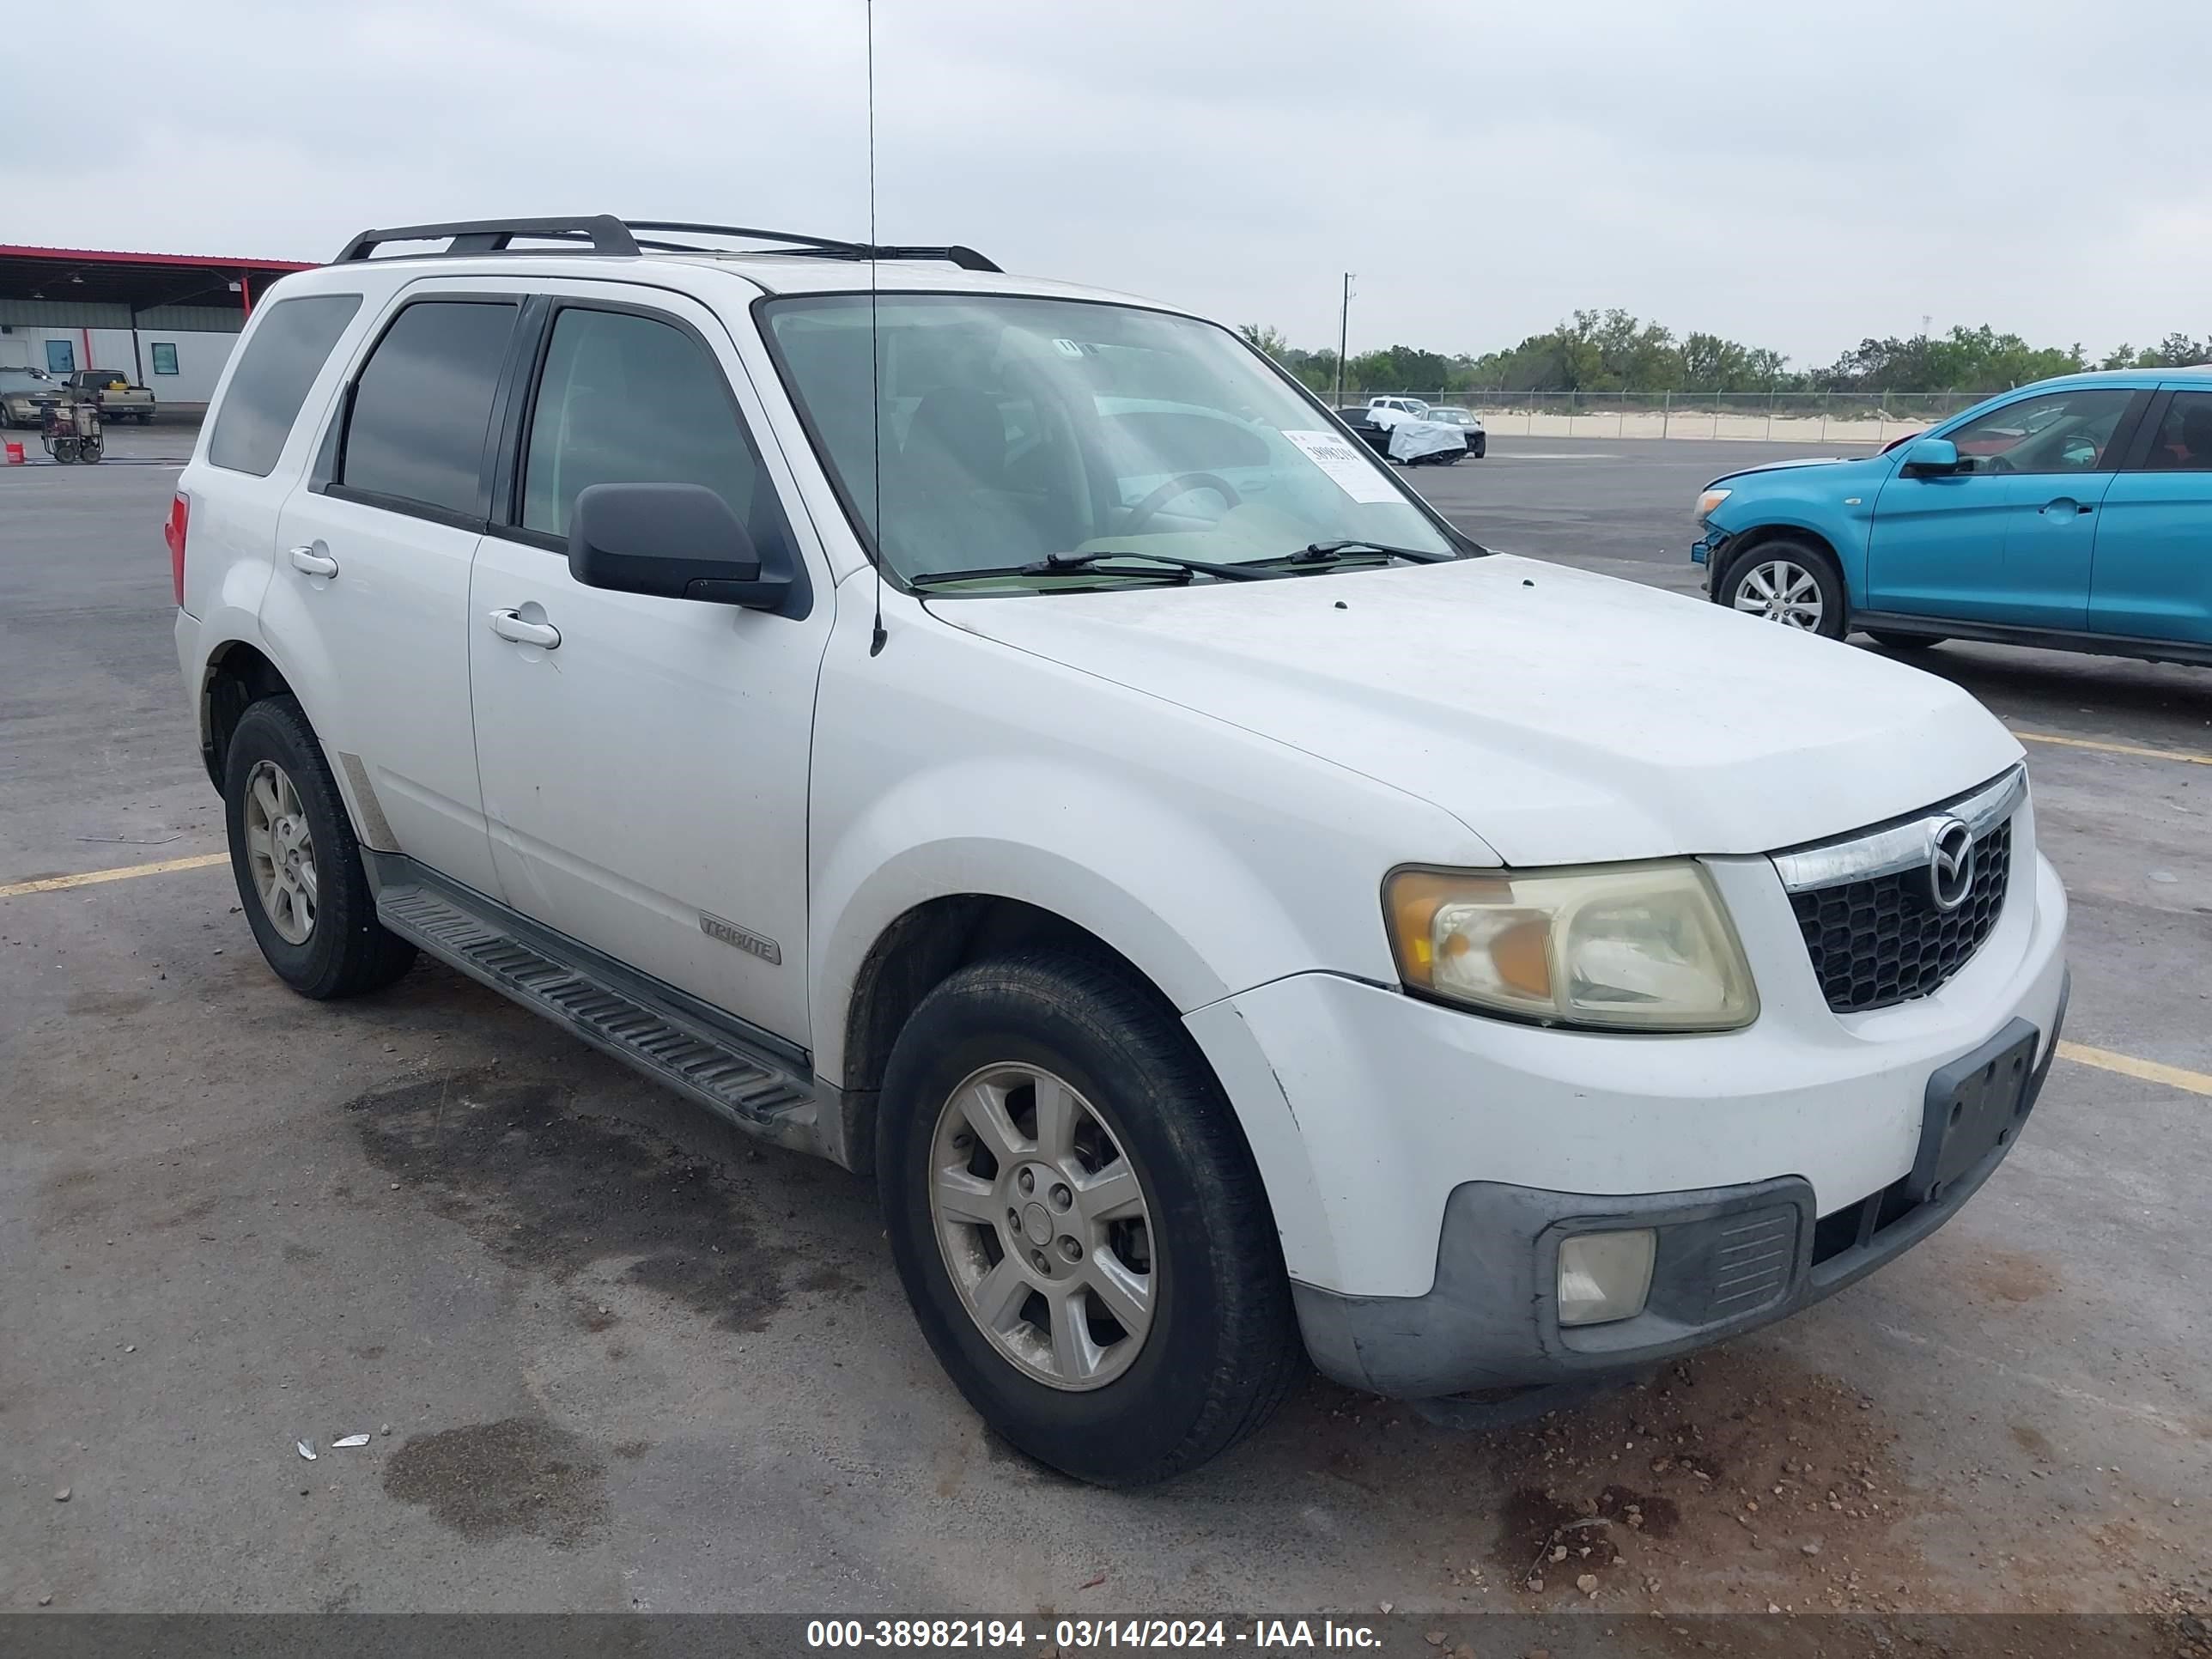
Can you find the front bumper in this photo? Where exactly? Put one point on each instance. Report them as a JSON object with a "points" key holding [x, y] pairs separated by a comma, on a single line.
{"points": [[1707, 551], [1422, 1160], [1730, 1260]]}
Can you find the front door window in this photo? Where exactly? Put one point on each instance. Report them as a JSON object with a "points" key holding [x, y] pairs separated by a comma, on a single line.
{"points": [[2064, 431]]}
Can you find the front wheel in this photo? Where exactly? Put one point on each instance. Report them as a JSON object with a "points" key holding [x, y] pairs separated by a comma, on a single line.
{"points": [[297, 863], [1791, 583], [1078, 1222]]}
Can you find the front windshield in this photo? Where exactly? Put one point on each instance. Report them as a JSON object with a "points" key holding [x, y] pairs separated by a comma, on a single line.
{"points": [[1013, 429]]}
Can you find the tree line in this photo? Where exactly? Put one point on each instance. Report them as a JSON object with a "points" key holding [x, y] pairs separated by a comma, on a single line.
{"points": [[1611, 351]]}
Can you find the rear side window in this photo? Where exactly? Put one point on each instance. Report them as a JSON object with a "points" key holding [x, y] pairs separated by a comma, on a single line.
{"points": [[415, 433], [629, 399], [2184, 440], [280, 363]]}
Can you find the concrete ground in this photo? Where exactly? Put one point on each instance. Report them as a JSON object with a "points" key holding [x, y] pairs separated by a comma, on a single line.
{"points": [[610, 1355]]}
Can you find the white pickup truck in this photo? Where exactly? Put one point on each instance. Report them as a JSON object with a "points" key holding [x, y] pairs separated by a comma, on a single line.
{"points": [[1008, 739]]}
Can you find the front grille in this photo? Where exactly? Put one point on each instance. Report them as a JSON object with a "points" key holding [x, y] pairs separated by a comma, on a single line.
{"points": [[1883, 941]]}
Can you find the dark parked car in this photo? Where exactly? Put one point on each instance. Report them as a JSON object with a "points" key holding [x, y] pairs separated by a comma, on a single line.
{"points": [[1376, 438]]}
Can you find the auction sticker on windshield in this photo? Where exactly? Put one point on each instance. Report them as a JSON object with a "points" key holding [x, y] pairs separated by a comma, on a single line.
{"points": [[1354, 474]]}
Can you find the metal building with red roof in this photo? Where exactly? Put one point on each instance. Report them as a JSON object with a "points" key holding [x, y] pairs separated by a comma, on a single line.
{"points": [[169, 319]]}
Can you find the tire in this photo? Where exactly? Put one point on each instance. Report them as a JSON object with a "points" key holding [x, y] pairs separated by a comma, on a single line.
{"points": [[1479, 448], [1905, 641], [1803, 575], [1221, 1346], [332, 946], [146, 417]]}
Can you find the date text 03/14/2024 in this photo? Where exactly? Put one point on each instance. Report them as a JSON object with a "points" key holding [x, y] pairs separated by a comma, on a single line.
{"points": [[1090, 1635]]}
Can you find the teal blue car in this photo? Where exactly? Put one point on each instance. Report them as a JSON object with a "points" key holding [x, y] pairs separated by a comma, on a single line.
{"points": [[2075, 514]]}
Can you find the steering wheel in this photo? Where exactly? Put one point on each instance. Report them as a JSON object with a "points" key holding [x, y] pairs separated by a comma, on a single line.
{"points": [[1181, 484]]}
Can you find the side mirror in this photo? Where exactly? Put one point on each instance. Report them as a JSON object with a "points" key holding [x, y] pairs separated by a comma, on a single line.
{"points": [[675, 541], [1931, 457]]}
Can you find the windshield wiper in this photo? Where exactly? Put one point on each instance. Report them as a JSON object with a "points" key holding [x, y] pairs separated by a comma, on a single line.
{"points": [[1161, 567], [1334, 552]]}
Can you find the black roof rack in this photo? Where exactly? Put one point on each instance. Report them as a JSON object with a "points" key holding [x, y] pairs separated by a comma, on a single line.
{"points": [[608, 235]]}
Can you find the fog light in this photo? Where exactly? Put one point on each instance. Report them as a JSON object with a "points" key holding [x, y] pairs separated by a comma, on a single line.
{"points": [[1605, 1276]]}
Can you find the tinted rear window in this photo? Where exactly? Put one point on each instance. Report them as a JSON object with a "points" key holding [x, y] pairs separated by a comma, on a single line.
{"points": [[271, 380], [420, 409]]}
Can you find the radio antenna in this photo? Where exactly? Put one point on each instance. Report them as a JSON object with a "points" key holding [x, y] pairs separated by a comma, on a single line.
{"points": [[875, 347]]}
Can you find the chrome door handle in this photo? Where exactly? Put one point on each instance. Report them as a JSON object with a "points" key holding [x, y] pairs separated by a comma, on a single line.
{"points": [[309, 562], [509, 625]]}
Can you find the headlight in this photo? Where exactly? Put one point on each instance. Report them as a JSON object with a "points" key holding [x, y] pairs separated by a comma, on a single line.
{"points": [[1629, 947], [1710, 499]]}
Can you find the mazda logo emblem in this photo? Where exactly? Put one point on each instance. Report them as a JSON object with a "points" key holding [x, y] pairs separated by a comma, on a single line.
{"points": [[1951, 864]]}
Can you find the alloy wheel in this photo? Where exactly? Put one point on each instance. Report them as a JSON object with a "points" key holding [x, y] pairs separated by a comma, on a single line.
{"points": [[280, 851], [1781, 591], [1044, 1225]]}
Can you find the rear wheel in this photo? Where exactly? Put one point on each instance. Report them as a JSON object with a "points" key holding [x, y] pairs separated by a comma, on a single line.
{"points": [[1788, 583], [1078, 1222], [298, 867]]}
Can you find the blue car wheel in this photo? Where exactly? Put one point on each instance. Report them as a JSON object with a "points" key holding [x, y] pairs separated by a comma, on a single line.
{"points": [[1789, 583]]}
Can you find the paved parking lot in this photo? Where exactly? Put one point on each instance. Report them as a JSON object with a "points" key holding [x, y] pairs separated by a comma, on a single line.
{"points": [[611, 1355]]}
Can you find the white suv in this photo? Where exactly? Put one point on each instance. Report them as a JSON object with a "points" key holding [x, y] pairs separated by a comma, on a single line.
{"points": [[1009, 739]]}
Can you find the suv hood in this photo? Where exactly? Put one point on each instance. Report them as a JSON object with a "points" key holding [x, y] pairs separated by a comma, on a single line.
{"points": [[1564, 717]]}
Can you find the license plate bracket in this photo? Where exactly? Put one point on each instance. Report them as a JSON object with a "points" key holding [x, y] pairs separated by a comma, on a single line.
{"points": [[1974, 1105]]}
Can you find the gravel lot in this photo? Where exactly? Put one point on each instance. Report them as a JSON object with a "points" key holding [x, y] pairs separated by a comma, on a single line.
{"points": [[611, 1355]]}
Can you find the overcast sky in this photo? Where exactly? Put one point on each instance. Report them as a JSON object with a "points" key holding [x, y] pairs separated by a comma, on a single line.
{"points": [[1790, 175]]}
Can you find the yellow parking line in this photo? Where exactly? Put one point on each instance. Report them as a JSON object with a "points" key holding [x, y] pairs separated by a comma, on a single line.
{"points": [[2135, 749], [2149, 1071], [91, 877]]}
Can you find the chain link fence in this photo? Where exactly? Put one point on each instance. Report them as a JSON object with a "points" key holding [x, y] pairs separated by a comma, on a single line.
{"points": [[1841, 417]]}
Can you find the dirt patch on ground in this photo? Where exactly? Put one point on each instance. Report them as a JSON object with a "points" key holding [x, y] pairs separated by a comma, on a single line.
{"points": [[554, 1191], [2009, 1276], [522, 1475], [1728, 1482], [107, 1005], [68, 1196], [1717, 1472]]}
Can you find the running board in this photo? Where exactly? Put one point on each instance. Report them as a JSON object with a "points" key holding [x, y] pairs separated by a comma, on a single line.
{"points": [[690, 1051]]}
